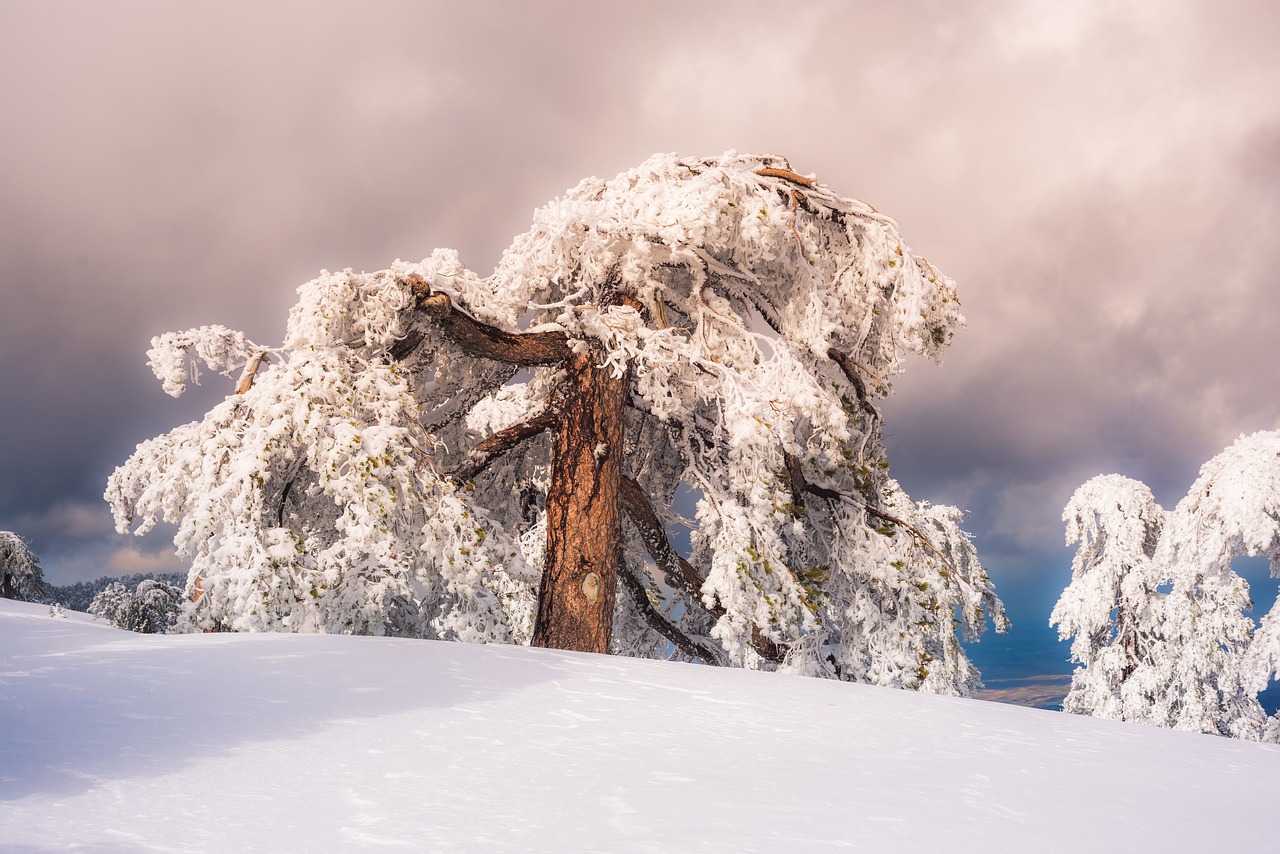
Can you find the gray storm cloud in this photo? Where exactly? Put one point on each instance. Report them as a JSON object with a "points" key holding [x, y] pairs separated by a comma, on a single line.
{"points": [[1102, 180]]}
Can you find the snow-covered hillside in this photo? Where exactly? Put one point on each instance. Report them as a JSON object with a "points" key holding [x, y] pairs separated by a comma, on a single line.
{"points": [[113, 742]]}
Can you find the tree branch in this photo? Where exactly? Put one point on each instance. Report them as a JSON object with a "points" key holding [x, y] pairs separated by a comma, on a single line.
{"points": [[912, 530], [799, 485], [484, 453], [284, 499], [663, 626], [250, 371], [786, 175], [848, 366], [678, 571], [484, 341], [403, 348]]}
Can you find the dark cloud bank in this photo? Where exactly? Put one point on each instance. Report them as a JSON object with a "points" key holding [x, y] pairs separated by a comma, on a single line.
{"points": [[1102, 181]]}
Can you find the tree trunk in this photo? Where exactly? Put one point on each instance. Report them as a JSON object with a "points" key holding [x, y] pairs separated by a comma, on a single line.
{"points": [[580, 579]]}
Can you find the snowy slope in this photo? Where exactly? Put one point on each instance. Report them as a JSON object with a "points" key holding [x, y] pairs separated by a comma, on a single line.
{"points": [[113, 742]]}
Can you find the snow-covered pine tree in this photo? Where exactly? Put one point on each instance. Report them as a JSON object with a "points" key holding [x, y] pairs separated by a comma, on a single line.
{"points": [[437, 454], [79, 595], [1157, 611], [21, 576], [150, 608], [1112, 608]]}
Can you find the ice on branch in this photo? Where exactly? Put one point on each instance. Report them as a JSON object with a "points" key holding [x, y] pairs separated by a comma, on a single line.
{"points": [[391, 462]]}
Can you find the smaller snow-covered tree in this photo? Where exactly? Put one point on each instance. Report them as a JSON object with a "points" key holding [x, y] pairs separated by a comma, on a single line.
{"points": [[21, 576], [1229, 512], [151, 608], [1111, 606], [1157, 612]]}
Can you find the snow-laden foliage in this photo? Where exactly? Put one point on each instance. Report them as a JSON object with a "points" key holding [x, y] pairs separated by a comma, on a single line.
{"points": [[892, 620], [1157, 613], [755, 315], [310, 502], [21, 576], [150, 608], [176, 357]]}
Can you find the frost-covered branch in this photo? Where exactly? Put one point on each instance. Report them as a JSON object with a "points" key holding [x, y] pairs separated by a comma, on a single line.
{"points": [[850, 369], [483, 454], [906, 526], [175, 357], [679, 573], [646, 610], [800, 486], [485, 341]]}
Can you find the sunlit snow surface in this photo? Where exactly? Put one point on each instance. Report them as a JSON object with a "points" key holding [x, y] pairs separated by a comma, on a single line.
{"points": [[113, 742]]}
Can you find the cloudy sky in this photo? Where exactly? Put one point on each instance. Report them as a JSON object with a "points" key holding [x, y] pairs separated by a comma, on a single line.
{"points": [[1102, 180]]}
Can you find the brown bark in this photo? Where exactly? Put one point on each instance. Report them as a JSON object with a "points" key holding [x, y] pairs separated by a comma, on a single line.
{"points": [[786, 174], [580, 578]]}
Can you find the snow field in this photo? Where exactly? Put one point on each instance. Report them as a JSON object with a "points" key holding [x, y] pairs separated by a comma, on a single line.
{"points": [[117, 742]]}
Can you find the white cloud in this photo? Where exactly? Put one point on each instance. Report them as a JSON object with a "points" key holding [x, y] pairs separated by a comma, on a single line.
{"points": [[391, 89], [750, 77]]}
